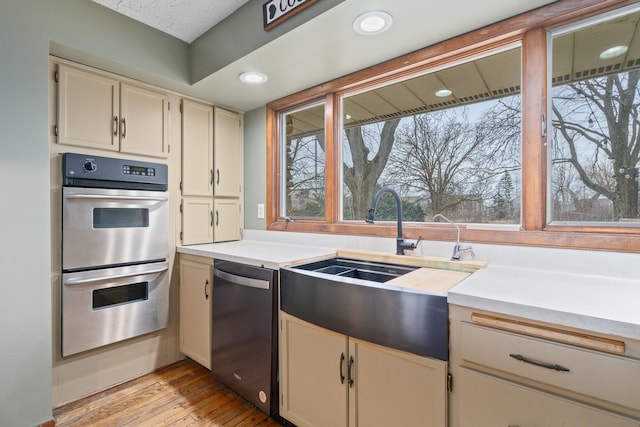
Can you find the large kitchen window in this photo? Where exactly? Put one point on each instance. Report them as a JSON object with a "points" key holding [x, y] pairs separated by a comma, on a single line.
{"points": [[447, 141], [303, 163], [595, 151], [526, 132]]}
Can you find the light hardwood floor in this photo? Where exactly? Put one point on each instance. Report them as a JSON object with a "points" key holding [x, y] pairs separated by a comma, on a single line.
{"points": [[181, 394]]}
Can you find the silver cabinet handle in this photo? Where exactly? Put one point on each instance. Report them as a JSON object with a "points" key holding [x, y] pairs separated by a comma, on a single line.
{"points": [[123, 128], [206, 283], [241, 280], [115, 125], [545, 365]]}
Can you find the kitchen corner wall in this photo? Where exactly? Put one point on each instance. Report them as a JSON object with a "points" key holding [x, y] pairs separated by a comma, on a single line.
{"points": [[255, 167], [28, 29]]}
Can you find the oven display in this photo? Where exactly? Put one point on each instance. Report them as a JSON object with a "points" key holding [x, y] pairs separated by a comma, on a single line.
{"points": [[138, 170]]}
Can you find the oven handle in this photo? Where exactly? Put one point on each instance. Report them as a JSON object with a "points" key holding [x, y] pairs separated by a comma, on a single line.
{"points": [[114, 276], [241, 280], [116, 197]]}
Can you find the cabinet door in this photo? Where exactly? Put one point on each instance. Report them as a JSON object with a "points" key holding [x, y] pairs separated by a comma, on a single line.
{"points": [[197, 220], [227, 154], [196, 283], [226, 220], [197, 149], [87, 109], [313, 363], [393, 387], [487, 402], [144, 121]]}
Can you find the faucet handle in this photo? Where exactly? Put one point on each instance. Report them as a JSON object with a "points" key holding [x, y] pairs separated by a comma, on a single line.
{"points": [[458, 251]]}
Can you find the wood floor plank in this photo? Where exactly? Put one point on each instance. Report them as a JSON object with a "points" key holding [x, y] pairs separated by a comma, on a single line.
{"points": [[79, 408], [180, 395]]}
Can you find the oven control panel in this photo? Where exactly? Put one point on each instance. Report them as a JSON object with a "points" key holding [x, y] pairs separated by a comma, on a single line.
{"points": [[81, 170]]}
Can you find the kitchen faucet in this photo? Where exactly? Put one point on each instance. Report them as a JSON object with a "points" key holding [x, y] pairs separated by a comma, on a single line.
{"points": [[401, 245], [458, 250]]}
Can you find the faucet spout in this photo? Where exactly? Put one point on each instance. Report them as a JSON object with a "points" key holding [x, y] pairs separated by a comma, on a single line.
{"points": [[401, 245], [458, 250]]}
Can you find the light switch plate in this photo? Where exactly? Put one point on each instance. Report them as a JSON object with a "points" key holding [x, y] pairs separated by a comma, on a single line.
{"points": [[260, 211]]}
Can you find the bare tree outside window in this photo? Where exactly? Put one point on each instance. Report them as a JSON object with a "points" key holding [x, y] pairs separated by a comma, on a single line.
{"points": [[457, 154], [596, 128], [304, 163]]}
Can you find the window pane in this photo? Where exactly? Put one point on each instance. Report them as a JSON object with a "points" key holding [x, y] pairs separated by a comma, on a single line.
{"points": [[303, 163], [596, 123], [455, 153]]}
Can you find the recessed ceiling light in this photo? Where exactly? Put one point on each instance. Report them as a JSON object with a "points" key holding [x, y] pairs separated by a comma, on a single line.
{"points": [[374, 22], [443, 92], [612, 52], [252, 77]]}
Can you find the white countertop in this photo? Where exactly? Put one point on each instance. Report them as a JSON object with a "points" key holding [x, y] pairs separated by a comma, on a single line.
{"points": [[593, 303], [608, 305], [258, 253]]}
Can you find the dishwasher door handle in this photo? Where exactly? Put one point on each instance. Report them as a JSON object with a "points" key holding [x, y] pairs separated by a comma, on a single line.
{"points": [[241, 280]]}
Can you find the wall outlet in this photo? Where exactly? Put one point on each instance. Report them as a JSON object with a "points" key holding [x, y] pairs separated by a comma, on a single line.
{"points": [[260, 211]]}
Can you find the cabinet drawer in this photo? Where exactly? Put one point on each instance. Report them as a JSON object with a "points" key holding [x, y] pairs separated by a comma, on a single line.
{"points": [[611, 378], [487, 401]]}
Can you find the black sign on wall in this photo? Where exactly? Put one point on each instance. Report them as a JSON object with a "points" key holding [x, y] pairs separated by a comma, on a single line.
{"points": [[275, 12]]}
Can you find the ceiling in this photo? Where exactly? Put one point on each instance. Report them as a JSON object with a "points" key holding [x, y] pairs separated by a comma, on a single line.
{"points": [[184, 19], [576, 56], [325, 47]]}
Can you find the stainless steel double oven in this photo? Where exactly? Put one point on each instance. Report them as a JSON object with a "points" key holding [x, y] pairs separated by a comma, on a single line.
{"points": [[115, 244]]}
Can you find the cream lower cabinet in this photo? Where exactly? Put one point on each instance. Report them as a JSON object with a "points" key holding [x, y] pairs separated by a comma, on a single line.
{"points": [[489, 401], [518, 372], [196, 288], [329, 379]]}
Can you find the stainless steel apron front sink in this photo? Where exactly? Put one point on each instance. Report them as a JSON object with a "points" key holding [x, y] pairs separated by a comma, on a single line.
{"points": [[351, 297]]}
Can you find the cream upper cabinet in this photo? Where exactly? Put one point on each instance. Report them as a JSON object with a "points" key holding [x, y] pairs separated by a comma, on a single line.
{"points": [[227, 154], [144, 121], [88, 109], [226, 220], [97, 111], [329, 379], [197, 220], [197, 173], [212, 140], [196, 289], [197, 149]]}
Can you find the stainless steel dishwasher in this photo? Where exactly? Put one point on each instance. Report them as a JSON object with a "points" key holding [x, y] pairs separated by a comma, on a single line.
{"points": [[244, 333]]}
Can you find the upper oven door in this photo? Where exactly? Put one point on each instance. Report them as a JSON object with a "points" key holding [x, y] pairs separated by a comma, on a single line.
{"points": [[102, 227]]}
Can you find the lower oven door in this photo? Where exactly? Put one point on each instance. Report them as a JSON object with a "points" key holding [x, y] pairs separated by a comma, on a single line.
{"points": [[108, 227], [104, 306]]}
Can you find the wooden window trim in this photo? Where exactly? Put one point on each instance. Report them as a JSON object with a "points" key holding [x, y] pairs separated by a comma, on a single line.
{"points": [[529, 29]]}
